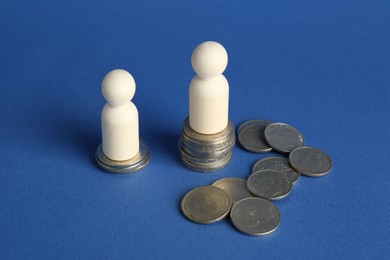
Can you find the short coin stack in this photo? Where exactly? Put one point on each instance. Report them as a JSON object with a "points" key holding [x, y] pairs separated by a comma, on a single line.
{"points": [[206, 153], [272, 178]]}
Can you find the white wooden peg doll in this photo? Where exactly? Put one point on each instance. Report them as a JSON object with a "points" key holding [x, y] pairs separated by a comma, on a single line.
{"points": [[119, 116], [121, 151], [209, 89]]}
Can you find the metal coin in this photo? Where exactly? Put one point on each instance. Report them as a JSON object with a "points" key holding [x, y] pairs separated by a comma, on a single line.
{"points": [[135, 164], [205, 138], [210, 143], [205, 150], [193, 158], [278, 164], [206, 204], [269, 184], [255, 216], [206, 153], [251, 136], [283, 138], [207, 167], [310, 161], [213, 158], [235, 187]]}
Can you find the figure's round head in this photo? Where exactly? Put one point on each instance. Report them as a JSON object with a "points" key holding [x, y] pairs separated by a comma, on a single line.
{"points": [[209, 59], [118, 87]]}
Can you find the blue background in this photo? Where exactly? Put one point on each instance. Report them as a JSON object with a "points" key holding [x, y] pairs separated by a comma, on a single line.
{"points": [[321, 66]]}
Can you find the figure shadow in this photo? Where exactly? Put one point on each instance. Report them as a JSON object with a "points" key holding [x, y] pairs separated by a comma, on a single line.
{"points": [[76, 132], [81, 137]]}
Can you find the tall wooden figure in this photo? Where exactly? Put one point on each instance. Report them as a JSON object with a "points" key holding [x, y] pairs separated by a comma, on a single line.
{"points": [[209, 89], [207, 134]]}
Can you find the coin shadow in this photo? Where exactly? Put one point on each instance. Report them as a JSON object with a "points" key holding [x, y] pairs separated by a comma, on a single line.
{"points": [[167, 145]]}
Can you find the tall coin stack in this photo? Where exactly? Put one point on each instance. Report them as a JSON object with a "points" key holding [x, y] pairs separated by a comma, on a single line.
{"points": [[206, 152]]}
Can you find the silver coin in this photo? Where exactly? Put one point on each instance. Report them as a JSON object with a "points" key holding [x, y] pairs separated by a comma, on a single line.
{"points": [[269, 184], [235, 187], [206, 153], [206, 204], [210, 143], [278, 164], [135, 164], [207, 167], [212, 158], [251, 136], [207, 138], [205, 150], [255, 216], [310, 161], [283, 138], [191, 157]]}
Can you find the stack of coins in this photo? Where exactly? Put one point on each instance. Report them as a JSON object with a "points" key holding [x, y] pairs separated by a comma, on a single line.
{"points": [[206, 153]]}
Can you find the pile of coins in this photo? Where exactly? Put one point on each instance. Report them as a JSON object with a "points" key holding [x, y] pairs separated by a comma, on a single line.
{"points": [[249, 214], [206, 153], [262, 136], [272, 178]]}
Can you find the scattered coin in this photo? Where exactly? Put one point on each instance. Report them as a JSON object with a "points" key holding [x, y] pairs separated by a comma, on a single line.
{"points": [[278, 164], [235, 187], [283, 138], [255, 216], [310, 161], [269, 184], [206, 204], [251, 136]]}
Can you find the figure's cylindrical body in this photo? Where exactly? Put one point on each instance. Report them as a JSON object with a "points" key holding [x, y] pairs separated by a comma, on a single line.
{"points": [[209, 104], [119, 116], [209, 89], [120, 131]]}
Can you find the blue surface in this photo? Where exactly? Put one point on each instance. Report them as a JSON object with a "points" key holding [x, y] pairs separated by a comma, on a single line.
{"points": [[321, 66]]}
